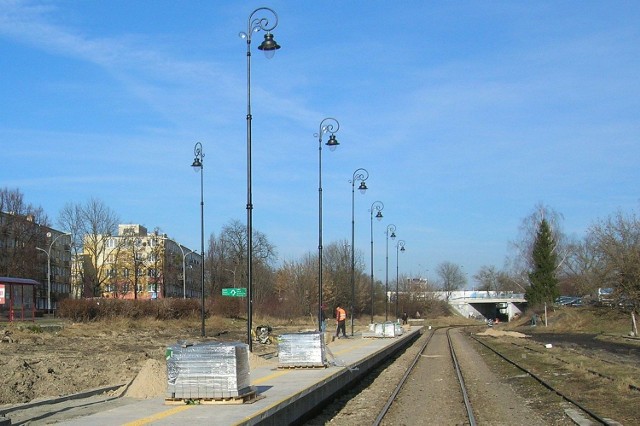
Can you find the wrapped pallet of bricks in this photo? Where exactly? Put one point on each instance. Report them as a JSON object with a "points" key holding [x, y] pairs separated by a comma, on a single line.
{"points": [[301, 350], [399, 330], [389, 329], [378, 329], [208, 370]]}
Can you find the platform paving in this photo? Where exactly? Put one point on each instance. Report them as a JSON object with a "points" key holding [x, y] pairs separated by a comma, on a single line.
{"points": [[283, 395]]}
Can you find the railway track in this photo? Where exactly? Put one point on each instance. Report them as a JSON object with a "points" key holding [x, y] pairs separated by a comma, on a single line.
{"points": [[441, 366]]}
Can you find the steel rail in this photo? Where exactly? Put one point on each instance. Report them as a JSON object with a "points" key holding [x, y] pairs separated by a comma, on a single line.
{"points": [[544, 383], [393, 396], [395, 393], [631, 386], [463, 388]]}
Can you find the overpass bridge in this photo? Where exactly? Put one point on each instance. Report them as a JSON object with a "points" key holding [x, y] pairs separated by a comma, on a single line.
{"points": [[504, 305]]}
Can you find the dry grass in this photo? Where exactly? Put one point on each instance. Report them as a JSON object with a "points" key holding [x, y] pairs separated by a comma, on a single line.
{"points": [[587, 319]]}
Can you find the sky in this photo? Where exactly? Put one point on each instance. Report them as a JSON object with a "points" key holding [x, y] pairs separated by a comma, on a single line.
{"points": [[466, 115]]}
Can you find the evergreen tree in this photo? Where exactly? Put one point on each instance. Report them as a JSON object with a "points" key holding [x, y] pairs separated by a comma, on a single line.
{"points": [[543, 281]]}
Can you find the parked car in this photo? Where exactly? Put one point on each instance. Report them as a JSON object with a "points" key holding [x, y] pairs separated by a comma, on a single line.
{"points": [[568, 301]]}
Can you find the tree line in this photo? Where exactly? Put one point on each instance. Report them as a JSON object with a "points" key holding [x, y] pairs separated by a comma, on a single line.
{"points": [[542, 262]]}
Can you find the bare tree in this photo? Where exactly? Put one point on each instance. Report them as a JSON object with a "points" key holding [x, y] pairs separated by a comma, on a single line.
{"points": [[291, 290], [23, 227], [91, 224], [584, 267], [70, 218], [226, 261], [487, 278], [617, 243], [451, 277], [336, 274]]}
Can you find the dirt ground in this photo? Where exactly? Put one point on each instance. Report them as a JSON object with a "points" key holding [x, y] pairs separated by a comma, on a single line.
{"points": [[58, 358]]}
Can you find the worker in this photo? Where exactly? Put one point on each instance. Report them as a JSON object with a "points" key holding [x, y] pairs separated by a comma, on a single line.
{"points": [[341, 317]]}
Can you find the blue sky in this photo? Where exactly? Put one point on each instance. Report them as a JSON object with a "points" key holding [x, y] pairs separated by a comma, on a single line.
{"points": [[466, 115]]}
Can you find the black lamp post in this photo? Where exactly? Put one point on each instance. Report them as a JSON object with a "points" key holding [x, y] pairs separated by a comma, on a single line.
{"points": [[399, 248], [378, 207], [328, 125], [390, 229], [269, 47], [198, 166], [359, 175]]}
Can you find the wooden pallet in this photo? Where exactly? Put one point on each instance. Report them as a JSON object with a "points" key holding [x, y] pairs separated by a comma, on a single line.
{"points": [[248, 398], [301, 367]]}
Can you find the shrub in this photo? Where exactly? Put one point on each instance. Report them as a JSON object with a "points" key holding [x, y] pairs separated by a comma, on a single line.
{"points": [[84, 310]]}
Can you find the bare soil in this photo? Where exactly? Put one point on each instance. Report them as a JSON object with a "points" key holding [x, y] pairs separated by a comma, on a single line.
{"points": [[58, 358]]}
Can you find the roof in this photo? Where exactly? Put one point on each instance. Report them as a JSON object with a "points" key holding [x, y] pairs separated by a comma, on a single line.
{"points": [[9, 280]]}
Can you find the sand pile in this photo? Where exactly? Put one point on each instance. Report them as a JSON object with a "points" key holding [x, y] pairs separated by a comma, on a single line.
{"points": [[498, 333], [150, 382]]}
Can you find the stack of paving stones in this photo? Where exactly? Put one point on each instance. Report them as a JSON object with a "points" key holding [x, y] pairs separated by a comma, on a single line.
{"points": [[301, 350], [392, 329], [208, 370]]}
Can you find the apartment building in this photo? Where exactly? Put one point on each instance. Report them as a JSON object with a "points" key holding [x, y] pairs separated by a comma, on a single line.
{"points": [[29, 250], [137, 264]]}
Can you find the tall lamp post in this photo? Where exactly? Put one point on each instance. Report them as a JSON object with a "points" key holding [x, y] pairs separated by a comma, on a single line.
{"points": [[392, 229], [198, 166], [328, 125], [399, 248], [359, 175], [378, 207], [48, 253], [269, 47]]}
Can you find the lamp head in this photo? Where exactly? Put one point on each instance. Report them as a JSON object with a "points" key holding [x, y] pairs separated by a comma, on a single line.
{"points": [[393, 235], [379, 215], [332, 143], [363, 187], [269, 46], [197, 165], [402, 248]]}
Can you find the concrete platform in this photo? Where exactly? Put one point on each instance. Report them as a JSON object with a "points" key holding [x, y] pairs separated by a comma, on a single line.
{"points": [[284, 395]]}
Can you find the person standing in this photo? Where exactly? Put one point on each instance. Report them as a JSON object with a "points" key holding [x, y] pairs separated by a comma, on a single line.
{"points": [[341, 317]]}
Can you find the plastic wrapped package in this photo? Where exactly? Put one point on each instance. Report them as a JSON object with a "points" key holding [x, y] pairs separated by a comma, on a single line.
{"points": [[390, 329], [398, 329], [301, 350], [208, 370]]}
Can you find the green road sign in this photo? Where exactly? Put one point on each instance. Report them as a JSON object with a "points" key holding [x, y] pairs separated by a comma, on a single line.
{"points": [[234, 292]]}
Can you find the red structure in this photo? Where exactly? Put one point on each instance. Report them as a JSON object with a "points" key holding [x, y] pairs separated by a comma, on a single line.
{"points": [[17, 299]]}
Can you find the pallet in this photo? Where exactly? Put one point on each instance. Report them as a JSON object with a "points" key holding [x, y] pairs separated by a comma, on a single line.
{"points": [[301, 367], [248, 398]]}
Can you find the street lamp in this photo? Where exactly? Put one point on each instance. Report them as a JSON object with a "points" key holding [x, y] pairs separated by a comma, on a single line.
{"points": [[399, 248], [269, 47], [392, 229], [48, 253], [198, 166], [328, 125], [377, 206], [184, 272], [361, 175]]}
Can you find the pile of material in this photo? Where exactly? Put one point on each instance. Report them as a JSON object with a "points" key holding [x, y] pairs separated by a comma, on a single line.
{"points": [[301, 350], [208, 370], [387, 329]]}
